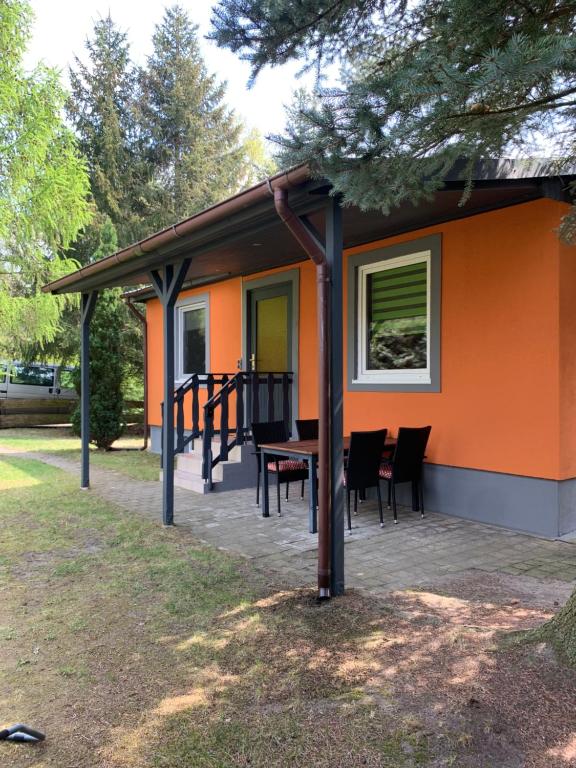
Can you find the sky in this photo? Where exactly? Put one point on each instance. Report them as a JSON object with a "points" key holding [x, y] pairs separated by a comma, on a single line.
{"points": [[62, 26]]}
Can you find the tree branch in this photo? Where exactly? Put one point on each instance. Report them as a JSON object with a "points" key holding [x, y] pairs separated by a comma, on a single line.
{"points": [[298, 30], [544, 103]]}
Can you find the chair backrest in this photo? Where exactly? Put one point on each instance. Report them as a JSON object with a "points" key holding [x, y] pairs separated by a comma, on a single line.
{"points": [[364, 457], [268, 432], [409, 453], [307, 429]]}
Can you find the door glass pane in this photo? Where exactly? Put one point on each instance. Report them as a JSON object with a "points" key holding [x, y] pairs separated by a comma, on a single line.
{"points": [[36, 375], [194, 340], [272, 334], [3, 370], [397, 318]]}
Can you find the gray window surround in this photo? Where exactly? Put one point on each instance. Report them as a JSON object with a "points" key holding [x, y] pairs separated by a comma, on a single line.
{"points": [[432, 243], [198, 298]]}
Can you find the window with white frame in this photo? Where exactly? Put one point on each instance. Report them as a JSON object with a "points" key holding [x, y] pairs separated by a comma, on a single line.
{"points": [[394, 330], [192, 338], [394, 319]]}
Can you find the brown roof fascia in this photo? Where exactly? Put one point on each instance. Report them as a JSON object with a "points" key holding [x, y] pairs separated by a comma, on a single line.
{"points": [[284, 180]]}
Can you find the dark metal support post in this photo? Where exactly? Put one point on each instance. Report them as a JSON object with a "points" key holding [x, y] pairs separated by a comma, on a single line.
{"points": [[88, 303], [334, 246], [167, 283]]}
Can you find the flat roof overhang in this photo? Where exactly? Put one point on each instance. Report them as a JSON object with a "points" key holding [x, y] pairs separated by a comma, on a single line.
{"points": [[244, 235]]}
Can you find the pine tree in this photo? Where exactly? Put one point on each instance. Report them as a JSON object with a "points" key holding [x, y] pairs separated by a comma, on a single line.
{"points": [[106, 365], [193, 141], [101, 109], [423, 84]]}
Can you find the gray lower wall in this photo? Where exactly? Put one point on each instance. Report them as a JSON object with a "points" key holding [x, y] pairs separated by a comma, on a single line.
{"points": [[542, 507], [567, 507], [155, 445]]}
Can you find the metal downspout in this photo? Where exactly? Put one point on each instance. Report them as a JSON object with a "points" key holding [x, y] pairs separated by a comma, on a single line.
{"points": [[139, 316], [318, 255]]}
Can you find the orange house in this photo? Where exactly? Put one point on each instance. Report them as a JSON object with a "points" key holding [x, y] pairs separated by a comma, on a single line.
{"points": [[461, 317]]}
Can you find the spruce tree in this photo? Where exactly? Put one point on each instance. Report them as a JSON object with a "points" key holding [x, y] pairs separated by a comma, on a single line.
{"points": [[101, 109], [106, 364], [193, 141], [423, 83]]}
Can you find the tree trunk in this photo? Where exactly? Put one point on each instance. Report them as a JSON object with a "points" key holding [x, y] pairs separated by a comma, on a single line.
{"points": [[560, 631]]}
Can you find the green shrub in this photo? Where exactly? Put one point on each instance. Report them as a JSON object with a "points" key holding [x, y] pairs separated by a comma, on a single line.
{"points": [[106, 364], [106, 402]]}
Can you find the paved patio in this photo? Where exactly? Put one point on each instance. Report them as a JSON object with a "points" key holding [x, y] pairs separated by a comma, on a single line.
{"points": [[411, 554]]}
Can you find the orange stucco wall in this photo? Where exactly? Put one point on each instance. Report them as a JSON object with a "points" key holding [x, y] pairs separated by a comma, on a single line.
{"points": [[567, 411], [508, 359]]}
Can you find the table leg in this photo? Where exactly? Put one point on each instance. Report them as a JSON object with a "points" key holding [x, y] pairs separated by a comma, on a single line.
{"points": [[264, 476], [312, 494]]}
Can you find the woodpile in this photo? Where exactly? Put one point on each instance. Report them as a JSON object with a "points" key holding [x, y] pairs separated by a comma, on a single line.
{"points": [[34, 412]]}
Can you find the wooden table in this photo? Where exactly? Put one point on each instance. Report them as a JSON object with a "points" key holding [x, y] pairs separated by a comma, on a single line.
{"points": [[304, 450]]}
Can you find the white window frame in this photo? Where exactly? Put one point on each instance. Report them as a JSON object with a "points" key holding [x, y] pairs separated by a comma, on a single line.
{"points": [[190, 305], [402, 375]]}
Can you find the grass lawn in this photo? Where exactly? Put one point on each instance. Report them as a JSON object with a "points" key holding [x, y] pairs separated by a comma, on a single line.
{"points": [[132, 646], [126, 459]]}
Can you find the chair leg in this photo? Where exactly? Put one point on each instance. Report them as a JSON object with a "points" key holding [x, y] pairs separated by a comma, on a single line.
{"points": [[278, 490], [356, 502], [421, 489], [415, 499], [302, 489], [389, 493], [394, 503], [380, 506], [258, 489], [348, 509], [287, 489]]}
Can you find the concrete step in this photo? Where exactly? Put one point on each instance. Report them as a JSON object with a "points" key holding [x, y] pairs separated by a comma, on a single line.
{"points": [[191, 464], [190, 482], [229, 476], [238, 453], [236, 473]]}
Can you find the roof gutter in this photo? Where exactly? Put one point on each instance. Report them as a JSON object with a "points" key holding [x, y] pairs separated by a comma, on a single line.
{"points": [[317, 253], [216, 213]]}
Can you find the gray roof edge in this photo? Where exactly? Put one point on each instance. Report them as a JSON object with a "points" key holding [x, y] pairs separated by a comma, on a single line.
{"points": [[509, 168]]}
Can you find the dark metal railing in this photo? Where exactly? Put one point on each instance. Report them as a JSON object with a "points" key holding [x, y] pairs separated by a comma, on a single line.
{"points": [[259, 397]]}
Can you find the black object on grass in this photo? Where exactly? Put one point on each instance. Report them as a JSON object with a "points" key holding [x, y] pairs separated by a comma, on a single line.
{"points": [[21, 733]]}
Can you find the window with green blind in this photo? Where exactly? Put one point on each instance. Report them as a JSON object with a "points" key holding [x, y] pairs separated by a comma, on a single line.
{"points": [[394, 319]]}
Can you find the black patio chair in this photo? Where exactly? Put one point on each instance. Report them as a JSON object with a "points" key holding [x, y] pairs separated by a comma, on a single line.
{"points": [[285, 469], [406, 465], [307, 429], [362, 467]]}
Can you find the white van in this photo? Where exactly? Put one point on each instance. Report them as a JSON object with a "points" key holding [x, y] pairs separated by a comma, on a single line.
{"points": [[36, 381]]}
